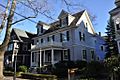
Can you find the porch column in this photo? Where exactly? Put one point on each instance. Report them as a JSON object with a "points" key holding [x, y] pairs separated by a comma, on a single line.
{"points": [[31, 60], [23, 59], [52, 56], [43, 57], [40, 59]]}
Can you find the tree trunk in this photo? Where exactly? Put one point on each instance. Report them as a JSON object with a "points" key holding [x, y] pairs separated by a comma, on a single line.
{"points": [[3, 46], [1, 64]]}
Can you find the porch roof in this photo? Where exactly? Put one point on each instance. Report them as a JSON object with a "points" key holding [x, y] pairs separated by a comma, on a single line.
{"points": [[49, 45]]}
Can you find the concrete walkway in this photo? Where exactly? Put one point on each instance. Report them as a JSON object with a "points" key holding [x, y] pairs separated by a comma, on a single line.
{"points": [[11, 78]]}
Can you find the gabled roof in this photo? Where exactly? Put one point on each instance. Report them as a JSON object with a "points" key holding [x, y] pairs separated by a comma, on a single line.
{"points": [[62, 14], [41, 23], [23, 35], [56, 25], [114, 11], [20, 33]]}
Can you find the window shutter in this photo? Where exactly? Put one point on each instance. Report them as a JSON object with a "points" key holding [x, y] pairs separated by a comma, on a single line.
{"points": [[68, 54], [67, 34], [117, 26], [67, 20], [60, 23], [53, 37], [80, 37], [83, 37], [37, 31], [41, 29], [48, 39], [41, 40], [61, 37]]}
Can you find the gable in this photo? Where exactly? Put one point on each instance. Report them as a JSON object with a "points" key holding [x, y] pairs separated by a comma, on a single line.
{"points": [[85, 18], [13, 36], [21, 35]]}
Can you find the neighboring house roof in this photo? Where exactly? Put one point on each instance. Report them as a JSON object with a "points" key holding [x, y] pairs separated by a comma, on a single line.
{"points": [[62, 14], [23, 35], [114, 11], [56, 25]]}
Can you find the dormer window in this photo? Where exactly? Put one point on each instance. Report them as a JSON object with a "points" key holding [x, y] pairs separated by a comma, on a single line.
{"points": [[117, 23], [64, 22]]}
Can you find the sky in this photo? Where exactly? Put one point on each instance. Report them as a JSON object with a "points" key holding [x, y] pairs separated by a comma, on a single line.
{"points": [[99, 8]]}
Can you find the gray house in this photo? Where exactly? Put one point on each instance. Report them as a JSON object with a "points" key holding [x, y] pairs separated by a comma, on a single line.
{"points": [[71, 37], [115, 14]]}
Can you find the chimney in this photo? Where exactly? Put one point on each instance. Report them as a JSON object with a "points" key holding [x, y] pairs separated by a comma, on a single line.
{"points": [[99, 33]]}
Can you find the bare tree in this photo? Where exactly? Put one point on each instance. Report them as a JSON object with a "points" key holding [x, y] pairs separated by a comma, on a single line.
{"points": [[35, 7]]}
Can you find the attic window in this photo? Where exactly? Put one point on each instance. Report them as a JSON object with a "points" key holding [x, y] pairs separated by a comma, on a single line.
{"points": [[64, 22]]}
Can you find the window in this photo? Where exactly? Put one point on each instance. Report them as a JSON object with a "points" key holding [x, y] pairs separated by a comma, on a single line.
{"points": [[98, 58], [64, 22], [92, 54], [95, 41], [81, 36], [117, 27], [37, 41], [84, 54], [64, 37], [51, 38], [10, 47], [65, 54], [13, 37], [68, 36], [25, 47]]}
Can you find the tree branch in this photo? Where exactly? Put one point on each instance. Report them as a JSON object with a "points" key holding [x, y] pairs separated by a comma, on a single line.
{"points": [[36, 10], [23, 19], [8, 26], [5, 16]]}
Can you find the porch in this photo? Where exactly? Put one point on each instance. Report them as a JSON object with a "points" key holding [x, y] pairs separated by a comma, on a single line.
{"points": [[49, 56]]}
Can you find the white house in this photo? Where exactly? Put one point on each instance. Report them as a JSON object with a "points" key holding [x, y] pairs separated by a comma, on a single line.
{"points": [[72, 37]]}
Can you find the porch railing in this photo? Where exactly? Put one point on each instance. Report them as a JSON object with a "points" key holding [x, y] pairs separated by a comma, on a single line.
{"points": [[47, 44]]}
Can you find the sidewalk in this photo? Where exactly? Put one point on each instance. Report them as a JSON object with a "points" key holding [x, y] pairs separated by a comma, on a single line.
{"points": [[11, 78]]}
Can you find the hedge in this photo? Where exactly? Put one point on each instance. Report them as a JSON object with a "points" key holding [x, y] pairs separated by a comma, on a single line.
{"points": [[8, 73], [38, 76]]}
